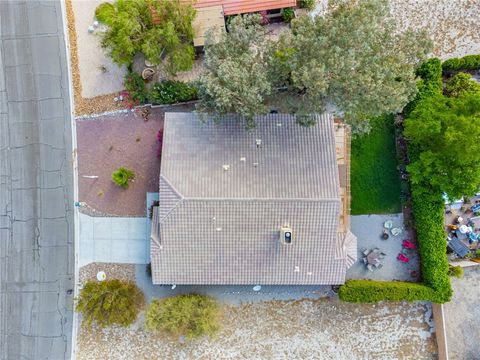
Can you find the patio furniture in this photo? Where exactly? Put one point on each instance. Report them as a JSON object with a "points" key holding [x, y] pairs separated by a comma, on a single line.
{"points": [[370, 267], [403, 258], [396, 231], [365, 252], [385, 235], [458, 247], [388, 224], [407, 244]]}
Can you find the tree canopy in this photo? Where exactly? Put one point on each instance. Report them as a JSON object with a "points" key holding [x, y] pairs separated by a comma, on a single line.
{"points": [[162, 30], [235, 78], [110, 302], [352, 59], [446, 130]]}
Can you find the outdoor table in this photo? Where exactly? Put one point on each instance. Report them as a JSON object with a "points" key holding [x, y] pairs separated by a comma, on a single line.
{"points": [[373, 257]]}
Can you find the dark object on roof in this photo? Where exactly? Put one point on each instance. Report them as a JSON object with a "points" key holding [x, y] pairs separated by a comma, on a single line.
{"points": [[458, 247]]}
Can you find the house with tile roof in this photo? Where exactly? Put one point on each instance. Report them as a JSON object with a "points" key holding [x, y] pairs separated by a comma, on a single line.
{"points": [[211, 13], [266, 206]]}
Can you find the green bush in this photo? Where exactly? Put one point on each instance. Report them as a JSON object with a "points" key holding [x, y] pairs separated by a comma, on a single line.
{"points": [[288, 14], [469, 62], [307, 4], [122, 176], [369, 291], [105, 13], [110, 302], [135, 87], [461, 83], [172, 92], [456, 271], [430, 83], [190, 315]]}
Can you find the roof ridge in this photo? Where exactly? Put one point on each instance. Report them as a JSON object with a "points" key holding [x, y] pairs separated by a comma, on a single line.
{"points": [[260, 199], [175, 192]]}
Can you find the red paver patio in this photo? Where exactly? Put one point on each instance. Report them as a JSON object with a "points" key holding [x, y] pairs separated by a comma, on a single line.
{"points": [[110, 141]]}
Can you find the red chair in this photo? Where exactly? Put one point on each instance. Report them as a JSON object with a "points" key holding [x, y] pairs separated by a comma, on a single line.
{"points": [[407, 244], [403, 258]]}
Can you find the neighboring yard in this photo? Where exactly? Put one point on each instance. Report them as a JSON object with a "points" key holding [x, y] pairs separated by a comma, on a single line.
{"points": [[375, 184], [305, 329], [462, 315]]}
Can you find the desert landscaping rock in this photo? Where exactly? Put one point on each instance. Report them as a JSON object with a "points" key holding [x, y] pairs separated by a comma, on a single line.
{"points": [[306, 329], [99, 75], [125, 272], [110, 141]]}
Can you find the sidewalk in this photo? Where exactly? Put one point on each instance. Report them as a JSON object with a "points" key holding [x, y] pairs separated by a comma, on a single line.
{"points": [[113, 240]]}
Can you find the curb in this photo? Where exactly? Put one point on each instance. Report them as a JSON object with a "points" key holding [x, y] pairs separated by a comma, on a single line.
{"points": [[76, 229]]}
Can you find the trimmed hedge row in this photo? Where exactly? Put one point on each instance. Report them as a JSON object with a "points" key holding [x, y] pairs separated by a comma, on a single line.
{"points": [[469, 62], [428, 214], [369, 291]]}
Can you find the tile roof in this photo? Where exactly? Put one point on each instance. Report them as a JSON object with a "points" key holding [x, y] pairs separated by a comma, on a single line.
{"points": [[291, 161], [220, 226], [232, 7]]}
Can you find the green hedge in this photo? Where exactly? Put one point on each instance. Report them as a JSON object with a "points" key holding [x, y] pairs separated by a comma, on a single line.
{"points": [[369, 291], [428, 214], [430, 83], [172, 92], [469, 62]]}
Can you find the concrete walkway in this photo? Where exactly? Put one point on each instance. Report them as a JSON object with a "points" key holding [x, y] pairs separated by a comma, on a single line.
{"points": [[114, 240]]}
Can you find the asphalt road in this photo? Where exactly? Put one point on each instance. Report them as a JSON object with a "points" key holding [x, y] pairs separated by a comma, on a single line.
{"points": [[36, 214]]}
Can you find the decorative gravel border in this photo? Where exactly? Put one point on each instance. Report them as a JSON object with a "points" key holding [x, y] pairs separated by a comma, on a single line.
{"points": [[84, 106]]}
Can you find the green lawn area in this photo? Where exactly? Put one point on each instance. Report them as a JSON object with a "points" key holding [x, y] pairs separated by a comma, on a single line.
{"points": [[375, 185]]}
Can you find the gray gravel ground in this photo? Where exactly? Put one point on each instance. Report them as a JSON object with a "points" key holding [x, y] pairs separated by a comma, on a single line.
{"points": [[462, 316]]}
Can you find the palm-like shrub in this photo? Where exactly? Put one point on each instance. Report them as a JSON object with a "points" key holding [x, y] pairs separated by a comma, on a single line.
{"points": [[110, 302], [189, 315], [122, 176]]}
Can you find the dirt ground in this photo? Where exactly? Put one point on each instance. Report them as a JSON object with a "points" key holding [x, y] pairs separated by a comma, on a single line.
{"points": [[306, 329], [462, 316], [110, 141]]}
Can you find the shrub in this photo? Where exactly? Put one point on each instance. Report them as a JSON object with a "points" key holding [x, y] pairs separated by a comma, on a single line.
{"points": [[469, 62], [430, 83], [307, 4], [456, 271], [461, 83], [135, 87], [110, 302], [190, 315], [122, 176], [105, 13], [288, 14], [172, 92], [369, 291]]}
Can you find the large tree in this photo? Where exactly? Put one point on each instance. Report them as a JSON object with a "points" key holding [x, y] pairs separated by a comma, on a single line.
{"points": [[235, 77], [353, 58], [162, 30], [445, 132]]}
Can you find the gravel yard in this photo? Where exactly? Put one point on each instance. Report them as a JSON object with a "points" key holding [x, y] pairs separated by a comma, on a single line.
{"points": [[306, 329], [462, 315], [109, 141], [125, 272]]}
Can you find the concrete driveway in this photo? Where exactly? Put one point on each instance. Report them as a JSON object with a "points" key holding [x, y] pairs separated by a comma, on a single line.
{"points": [[123, 240]]}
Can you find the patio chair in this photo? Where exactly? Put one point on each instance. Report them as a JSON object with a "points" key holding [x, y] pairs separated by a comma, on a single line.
{"points": [[365, 252], [407, 244], [379, 266], [403, 258], [370, 267], [364, 260]]}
